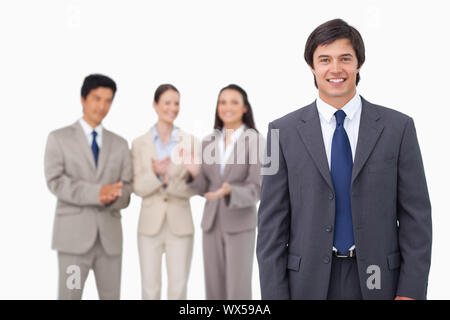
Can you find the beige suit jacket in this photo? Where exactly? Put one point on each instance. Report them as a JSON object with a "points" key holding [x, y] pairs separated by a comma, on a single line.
{"points": [[74, 179], [242, 172], [159, 202]]}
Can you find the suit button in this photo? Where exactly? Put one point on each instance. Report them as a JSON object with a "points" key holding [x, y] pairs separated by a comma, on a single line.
{"points": [[326, 260], [165, 199], [331, 196], [329, 228]]}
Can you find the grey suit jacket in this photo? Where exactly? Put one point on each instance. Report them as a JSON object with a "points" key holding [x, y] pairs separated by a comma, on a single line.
{"points": [[390, 207], [73, 178], [239, 208]]}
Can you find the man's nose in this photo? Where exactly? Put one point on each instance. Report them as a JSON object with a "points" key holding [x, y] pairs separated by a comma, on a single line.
{"points": [[336, 67], [102, 106]]}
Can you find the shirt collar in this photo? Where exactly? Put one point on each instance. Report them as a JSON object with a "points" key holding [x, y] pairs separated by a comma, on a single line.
{"points": [[236, 133], [328, 111], [173, 134], [88, 129]]}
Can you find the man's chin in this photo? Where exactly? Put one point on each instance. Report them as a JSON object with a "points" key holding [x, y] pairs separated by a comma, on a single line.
{"points": [[336, 93]]}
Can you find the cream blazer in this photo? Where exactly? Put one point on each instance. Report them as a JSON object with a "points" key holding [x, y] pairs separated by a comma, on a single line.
{"points": [[158, 202]]}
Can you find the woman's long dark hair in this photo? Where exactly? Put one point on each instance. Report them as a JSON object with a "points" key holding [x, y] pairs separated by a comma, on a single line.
{"points": [[247, 117]]}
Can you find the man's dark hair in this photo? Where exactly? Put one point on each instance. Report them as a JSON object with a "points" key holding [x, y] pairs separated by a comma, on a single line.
{"points": [[95, 81], [163, 88], [329, 32]]}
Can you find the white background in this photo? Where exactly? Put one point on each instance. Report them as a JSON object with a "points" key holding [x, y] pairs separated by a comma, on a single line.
{"points": [[48, 47]]}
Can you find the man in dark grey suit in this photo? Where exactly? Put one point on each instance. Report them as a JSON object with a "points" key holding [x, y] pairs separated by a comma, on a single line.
{"points": [[347, 215]]}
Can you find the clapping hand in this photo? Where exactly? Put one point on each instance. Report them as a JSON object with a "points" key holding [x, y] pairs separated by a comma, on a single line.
{"points": [[110, 192], [224, 190], [160, 167], [189, 162]]}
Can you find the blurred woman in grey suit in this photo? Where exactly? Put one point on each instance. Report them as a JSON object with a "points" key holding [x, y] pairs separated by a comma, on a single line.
{"points": [[229, 178], [165, 222]]}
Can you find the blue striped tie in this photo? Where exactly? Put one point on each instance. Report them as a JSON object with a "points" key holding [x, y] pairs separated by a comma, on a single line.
{"points": [[94, 146], [341, 174]]}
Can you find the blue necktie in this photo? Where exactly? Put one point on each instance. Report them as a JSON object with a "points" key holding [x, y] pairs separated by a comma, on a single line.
{"points": [[341, 174], [94, 146]]}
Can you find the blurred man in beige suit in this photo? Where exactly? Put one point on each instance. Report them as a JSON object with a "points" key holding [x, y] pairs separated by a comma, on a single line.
{"points": [[165, 222], [89, 170]]}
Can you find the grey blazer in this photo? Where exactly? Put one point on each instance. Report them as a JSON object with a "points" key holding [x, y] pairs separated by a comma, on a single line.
{"points": [[73, 178], [390, 206], [239, 208]]}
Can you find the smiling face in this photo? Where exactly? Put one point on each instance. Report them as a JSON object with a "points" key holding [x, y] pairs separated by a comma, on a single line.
{"points": [[335, 70], [231, 108], [168, 106], [96, 105]]}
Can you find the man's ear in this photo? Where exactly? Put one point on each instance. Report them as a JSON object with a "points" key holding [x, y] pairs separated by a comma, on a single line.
{"points": [[312, 70], [359, 68]]}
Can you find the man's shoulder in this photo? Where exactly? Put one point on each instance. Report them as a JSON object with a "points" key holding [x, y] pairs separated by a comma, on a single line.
{"points": [[116, 139], [294, 117], [64, 132], [387, 114]]}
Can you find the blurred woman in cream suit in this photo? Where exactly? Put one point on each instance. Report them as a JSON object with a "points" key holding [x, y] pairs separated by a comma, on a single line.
{"points": [[229, 178], [165, 222]]}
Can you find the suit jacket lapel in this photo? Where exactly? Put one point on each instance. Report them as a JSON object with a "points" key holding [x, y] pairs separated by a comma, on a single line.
{"points": [[311, 135], [216, 153], [148, 148], [176, 167], [235, 155], [227, 169], [230, 160], [369, 132], [84, 145], [104, 153]]}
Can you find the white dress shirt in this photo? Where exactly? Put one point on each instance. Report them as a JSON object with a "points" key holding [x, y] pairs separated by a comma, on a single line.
{"points": [[226, 152], [351, 125], [328, 123], [87, 129]]}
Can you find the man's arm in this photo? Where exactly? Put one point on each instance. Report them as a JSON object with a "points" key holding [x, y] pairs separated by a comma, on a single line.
{"points": [[273, 228], [126, 178], [65, 188], [414, 216]]}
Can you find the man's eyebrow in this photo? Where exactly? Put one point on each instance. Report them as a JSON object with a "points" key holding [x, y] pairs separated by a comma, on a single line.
{"points": [[342, 55]]}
